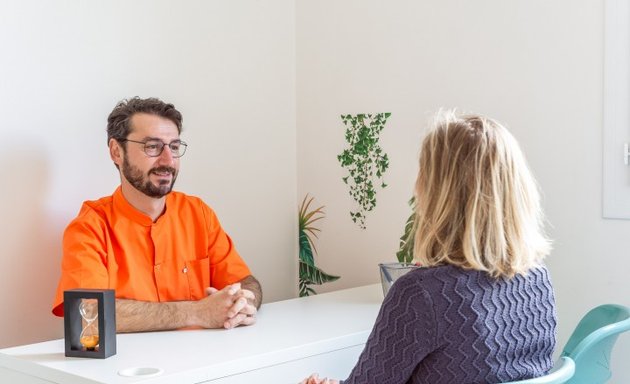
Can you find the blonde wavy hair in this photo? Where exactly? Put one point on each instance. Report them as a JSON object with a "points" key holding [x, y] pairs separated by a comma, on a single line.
{"points": [[477, 203]]}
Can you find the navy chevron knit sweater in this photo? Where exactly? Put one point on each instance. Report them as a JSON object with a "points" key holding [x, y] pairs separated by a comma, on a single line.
{"points": [[449, 325]]}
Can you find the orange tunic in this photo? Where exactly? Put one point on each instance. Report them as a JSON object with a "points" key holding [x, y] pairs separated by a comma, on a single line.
{"points": [[112, 245]]}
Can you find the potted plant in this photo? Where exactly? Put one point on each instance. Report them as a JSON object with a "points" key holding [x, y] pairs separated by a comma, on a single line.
{"points": [[309, 274], [391, 271]]}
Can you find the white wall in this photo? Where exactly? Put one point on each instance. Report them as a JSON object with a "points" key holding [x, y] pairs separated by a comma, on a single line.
{"points": [[535, 65], [229, 66]]}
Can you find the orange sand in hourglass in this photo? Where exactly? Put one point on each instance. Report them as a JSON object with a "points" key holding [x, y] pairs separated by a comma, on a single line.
{"points": [[89, 342]]}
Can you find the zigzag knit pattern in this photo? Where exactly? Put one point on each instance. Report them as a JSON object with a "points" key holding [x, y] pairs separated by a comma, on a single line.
{"points": [[454, 326]]}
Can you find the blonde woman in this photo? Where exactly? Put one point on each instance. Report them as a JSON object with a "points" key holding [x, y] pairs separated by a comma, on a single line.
{"points": [[483, 310]]}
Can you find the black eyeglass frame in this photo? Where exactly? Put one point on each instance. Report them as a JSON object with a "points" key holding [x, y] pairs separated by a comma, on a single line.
{"points": [[163, 144]]}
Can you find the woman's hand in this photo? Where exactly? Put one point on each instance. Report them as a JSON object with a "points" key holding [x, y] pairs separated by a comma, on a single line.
{"points": [[314, 379]]}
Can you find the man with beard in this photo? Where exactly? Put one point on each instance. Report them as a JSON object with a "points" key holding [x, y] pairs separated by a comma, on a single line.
{"points": [[165, 253]]}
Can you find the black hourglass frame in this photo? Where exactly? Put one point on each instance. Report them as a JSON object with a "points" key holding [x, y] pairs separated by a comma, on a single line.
{"points": [[73, 325]]}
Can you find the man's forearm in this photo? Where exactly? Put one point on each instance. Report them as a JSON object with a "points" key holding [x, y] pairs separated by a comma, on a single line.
{"points": [[141, 316], [250, 283]]}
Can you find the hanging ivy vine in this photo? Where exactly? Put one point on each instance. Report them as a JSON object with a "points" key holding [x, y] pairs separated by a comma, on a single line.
{"points": [[365, 161]]}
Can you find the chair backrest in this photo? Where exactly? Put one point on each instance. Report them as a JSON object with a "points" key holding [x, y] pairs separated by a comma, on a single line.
{"points": [[592, 341], [561, 373]]}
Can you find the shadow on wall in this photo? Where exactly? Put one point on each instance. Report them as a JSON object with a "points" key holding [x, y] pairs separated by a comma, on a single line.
{"points": [[31, 250]]}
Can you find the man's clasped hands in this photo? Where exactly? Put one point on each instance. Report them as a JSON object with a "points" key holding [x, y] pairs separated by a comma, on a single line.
{"points": [[227, 308]]}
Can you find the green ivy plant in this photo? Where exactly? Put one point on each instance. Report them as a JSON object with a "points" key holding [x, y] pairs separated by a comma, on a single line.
{"points": [[364, 160], [405, 252], [309, 274]]}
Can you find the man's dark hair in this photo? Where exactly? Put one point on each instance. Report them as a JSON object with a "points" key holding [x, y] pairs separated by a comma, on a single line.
{"points": [[118, 122]]}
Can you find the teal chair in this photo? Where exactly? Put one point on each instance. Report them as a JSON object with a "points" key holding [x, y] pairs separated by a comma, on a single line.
{"points": [[561, 373], [592, 341]]}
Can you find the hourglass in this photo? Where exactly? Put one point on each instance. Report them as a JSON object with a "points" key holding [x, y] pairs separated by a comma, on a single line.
{"points": [[90, 323], [88, 308]]}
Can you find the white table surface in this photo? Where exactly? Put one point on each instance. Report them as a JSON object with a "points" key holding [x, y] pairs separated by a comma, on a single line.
{"points": [[286, 331]]}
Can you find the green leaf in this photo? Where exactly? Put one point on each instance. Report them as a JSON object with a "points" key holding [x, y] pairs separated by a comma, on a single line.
{"points": [[314, 275], [305, 250], [304, 289], [405, 252]]}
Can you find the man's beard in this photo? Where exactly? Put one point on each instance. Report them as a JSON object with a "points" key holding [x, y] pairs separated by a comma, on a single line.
{"points": [[143, 183]]}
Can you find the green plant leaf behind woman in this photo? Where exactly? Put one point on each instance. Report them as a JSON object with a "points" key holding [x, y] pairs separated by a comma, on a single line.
{"points": [[405, 252]]}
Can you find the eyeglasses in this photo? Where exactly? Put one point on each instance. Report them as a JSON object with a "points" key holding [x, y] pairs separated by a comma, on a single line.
{"points": [[154, 148]]}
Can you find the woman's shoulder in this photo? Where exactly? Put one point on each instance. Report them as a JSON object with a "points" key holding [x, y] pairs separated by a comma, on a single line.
{"points": [[448, 271], [440, 272], [434, 277], [441, 276]]}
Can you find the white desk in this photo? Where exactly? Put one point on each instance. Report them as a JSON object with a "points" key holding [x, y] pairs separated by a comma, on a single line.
{"points": [[292, 338]]}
